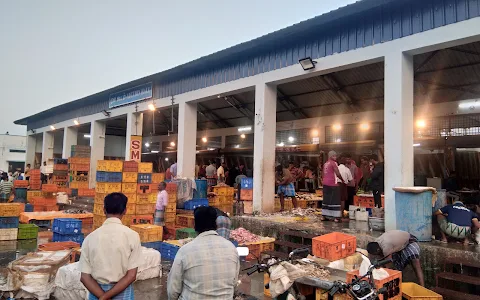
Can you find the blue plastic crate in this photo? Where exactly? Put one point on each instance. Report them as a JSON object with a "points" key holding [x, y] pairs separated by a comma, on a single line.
{"points": [[114, 176], [168, 251], [101, 176], [201, 191], [77, 238], [8, 222], [28, 207], [247, 183], [21, 193], [153, 245], [144, 178], [75, 192], [194, 203], [67, 226]]}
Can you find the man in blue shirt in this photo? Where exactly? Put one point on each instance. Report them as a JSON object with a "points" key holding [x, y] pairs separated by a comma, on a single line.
{"points": [[457, 221]]}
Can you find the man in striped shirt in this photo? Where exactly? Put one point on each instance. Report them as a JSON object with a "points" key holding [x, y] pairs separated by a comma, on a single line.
{"points": [[6, 187]]}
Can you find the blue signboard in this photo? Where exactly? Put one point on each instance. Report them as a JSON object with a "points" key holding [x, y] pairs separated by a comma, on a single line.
{"points": [[131, 95]]}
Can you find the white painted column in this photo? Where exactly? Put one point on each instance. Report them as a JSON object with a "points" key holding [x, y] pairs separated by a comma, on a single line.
{"points": [[187, 139], [264, 149], [70, 137], [30, 151], [97, 144], [47, 146], [134, 127], [224, 141], [399, 76]]}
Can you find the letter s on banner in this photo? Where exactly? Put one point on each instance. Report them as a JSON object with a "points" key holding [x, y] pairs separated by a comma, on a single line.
{"points": [[135, 148]]}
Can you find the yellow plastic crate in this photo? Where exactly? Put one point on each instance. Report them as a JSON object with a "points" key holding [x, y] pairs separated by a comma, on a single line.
{"points": [[98, 209], [129, 177], [131, 208], [129, 188], [221, 190], [172, 197], [171, 209], [146, 198], [11, 209], [98, 220], [31, 194], [114, 166], [108, 187], [78, 185], [132, 198], [127, 219], [226, 200], [99, 198], [148, 233], [102, 165], [170, 217], [158, 177], [145, 167], [413, 291], [144, 209]]}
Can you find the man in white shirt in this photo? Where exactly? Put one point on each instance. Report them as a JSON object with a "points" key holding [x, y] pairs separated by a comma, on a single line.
{"points": [[173, 170], [111, 255], [221, 173], [207, 267], [211, 172], [162, 201]]}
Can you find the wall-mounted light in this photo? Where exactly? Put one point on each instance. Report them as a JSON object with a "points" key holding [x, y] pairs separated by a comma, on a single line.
{"points": [[87, 136], [314, 132], [152, 107], [242, 136], [154, 151], [291, 139], [172, 144], [337, 127], [76, 122], [147, 145], [204, 139], [421, 124], [364, 126], [166, 158], [52, 127], [32, 130], [244, 129], [307, 63], [106, 113], [416, 145]]}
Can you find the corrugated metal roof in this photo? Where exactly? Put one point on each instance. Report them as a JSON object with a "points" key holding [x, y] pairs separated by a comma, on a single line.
{"points": [[358, 25]]}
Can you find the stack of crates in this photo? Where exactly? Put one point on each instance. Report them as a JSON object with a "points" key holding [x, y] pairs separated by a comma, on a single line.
{"points": [[20, 190], [246, 195], [46, 201], [148, 233], [171, 209], [129, 188], [146, 190], [60, 172], [224, 198], [9, 220], [79, 167], [35, 180], [66, 229]]}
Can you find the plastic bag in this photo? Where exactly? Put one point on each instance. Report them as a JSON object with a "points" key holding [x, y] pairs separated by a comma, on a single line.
{"points": [[378, 274]]}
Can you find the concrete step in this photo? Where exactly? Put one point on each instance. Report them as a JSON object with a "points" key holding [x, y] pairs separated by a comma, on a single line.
{"points": [[458, 278], [454, 295], [463, 262]]}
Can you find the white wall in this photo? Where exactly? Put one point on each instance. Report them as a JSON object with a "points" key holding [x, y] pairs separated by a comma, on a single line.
{"points": [[11, 142], [115, 146]]}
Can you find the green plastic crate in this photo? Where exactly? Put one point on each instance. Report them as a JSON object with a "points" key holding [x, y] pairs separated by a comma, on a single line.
{"points": [[183, 233], [27, 231]]}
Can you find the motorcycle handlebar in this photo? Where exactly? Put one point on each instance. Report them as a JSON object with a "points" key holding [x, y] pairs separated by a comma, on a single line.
{"points": [[381, 263]]}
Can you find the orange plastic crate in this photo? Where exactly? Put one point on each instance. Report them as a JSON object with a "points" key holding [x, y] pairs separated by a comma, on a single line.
{"points": [[34, 172], [11, 209], [148, 233], [171, 188], [334, 246], [170, 231], [78, 185], [51, 208], [246, 195], [57, 246], [51, 188], [20, 183], [158, 177], [86, 192], [130, 166], [58, 167], [393, 283], [185, 221], [80, 167], [79, 160], [256, 248]]}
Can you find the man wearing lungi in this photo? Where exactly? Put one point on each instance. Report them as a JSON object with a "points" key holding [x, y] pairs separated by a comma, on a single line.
{"points": [[111, 255], [162, 201], [285, 186]]}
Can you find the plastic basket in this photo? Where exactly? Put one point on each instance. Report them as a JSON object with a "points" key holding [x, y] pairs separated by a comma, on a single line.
{"points": [[201, 191], [41, 223], [334, 246], [108, 187], [50, 188], [185, 221], [130, 177], [413, 291], [77, 238], [60, 161], [28, 207], [98, 220], [67, 226], [144, 178], [9, 234], [8, 222], [171, 189], [148, 232], [255, 249], [20, 183], [101, 176], [21, 193], [99, 198], [114, 166], [183, 233], [27, 231], [168, 251], [393, 284], [221, 190], [145, 167], [10, 209], [79, 160]]}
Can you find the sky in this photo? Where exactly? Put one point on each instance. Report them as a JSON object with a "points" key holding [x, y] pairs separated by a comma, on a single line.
{"points": [[57, 51]]}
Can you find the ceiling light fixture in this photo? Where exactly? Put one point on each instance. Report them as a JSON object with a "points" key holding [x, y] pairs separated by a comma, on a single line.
{"points": [[242, 136], [87, 136], [281, 144], [314, 132], [364, 126], [52, 127], [154, 151], [152, 107], [337, 127], [166, 158], [416, 145], [204, 139], [244, 129], [338, 140], [307, 63], [172, 144], [472, 104], [291, 139], [76, 122], [147, 145], [421, 123]]}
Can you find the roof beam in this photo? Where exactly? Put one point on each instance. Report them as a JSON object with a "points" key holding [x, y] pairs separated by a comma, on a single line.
{"points": [[464, 51], [450, 87], [426, 60], [240, 106], [210, 115], [293, 107], [335, 86]]}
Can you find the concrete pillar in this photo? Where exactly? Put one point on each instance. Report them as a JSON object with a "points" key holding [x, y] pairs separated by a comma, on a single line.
{"points": [[224, 141], [97, 144], [70, 137], [399, 76], [30, 151], [47, 146], [134, 127], [264, 150], [187, 139]]}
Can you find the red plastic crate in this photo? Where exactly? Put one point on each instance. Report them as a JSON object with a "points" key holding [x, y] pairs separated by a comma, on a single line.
{"points": [[171, 188], [34, 172], [20, 183], [51, 188], [60, 167], [86, 192], [393, 283], [130, 166], [334, 246]]}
